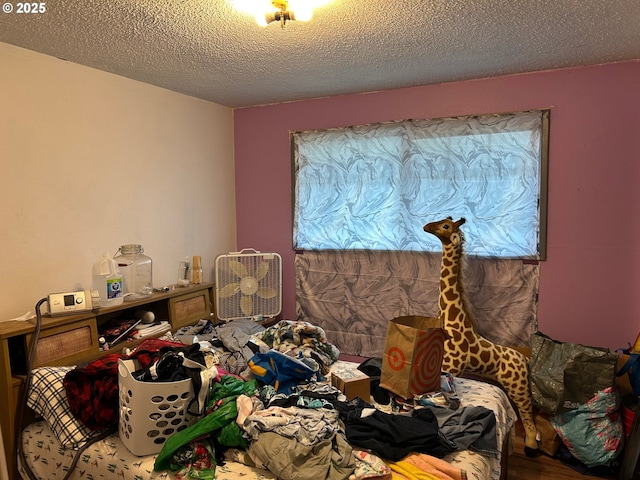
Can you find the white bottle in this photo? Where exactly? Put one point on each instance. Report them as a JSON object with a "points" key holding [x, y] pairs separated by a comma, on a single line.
{"points": [[107, 279]]}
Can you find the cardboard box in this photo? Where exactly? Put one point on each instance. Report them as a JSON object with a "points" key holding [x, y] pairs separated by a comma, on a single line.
{"points": [[353, 383]]}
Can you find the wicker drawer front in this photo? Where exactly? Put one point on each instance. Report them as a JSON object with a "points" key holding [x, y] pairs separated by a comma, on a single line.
{"points": [[66, 345], [187, 309]]}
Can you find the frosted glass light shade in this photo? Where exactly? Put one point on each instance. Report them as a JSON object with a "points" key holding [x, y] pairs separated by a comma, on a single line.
{"points": [[302, 10]]}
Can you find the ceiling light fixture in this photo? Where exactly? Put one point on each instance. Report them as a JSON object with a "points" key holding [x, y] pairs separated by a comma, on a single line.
{"points": [[268, 11]]}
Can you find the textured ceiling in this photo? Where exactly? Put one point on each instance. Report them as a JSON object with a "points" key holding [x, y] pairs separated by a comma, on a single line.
{"points": [[206, 49]]}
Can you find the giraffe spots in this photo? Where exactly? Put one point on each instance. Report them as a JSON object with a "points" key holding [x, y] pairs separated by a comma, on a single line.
{"points": [[456, 336], [449, 284], [456, 364], [455, 312], [449, 296], [471, 339], [452, 352], [474, 362], [485, 356]]}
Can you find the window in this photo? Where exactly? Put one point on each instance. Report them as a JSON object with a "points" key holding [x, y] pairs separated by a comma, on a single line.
{"points": [[373, 187]]}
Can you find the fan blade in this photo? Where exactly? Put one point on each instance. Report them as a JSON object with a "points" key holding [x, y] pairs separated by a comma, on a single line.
{"points": [[262, 270], [266, 292], [229, 290], [237, 268], [246, 305]]}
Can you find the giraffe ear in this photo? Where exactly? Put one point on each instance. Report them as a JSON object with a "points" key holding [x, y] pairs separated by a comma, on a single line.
{"points": [[455, 238]]}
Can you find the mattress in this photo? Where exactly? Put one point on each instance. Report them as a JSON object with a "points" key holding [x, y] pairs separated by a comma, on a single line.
{"points": [[109, 458]]}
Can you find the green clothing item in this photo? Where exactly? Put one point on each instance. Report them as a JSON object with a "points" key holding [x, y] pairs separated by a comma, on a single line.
{"points": [[229, 386], [231, 436], [216, 420]]}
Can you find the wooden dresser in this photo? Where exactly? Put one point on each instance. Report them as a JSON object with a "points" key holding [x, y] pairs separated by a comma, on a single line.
{"points": [[72, 339]]}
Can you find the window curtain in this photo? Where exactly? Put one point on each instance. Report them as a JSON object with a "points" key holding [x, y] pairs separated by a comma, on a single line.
{"points": [[353, 294], [373, 187]]}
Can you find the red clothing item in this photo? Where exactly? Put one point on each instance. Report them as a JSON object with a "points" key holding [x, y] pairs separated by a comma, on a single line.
{"points": [[92, 390]]}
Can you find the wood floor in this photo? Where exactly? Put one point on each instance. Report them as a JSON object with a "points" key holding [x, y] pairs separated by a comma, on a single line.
{"points": [[541, 467]]}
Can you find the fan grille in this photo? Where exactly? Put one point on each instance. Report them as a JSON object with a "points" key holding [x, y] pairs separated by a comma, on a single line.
{"points": [[248, 285]]}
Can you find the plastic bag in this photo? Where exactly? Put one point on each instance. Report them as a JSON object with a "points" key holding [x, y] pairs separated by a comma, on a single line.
{"points": [[593, 432], [564, 376]]}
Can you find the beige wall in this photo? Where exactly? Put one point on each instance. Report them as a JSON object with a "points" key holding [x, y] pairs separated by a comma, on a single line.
{"points": [[90, 161]]}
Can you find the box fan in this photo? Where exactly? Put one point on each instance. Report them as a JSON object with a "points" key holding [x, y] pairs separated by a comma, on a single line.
{"points": [[248, 285]]}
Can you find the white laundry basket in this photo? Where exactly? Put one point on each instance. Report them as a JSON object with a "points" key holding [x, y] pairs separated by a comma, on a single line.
{"points": [[150, 412]]}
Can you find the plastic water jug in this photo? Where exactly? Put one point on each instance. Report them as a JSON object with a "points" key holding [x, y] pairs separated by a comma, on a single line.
{"points": [[136, 269], [107, 279]]}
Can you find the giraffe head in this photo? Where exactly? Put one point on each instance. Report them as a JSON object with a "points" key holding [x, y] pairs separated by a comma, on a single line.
{"points": [[446, 230]]}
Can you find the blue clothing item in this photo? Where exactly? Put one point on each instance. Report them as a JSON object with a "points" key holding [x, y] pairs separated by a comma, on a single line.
{"points": [[469, 428], [632, 368], [281, 371]]}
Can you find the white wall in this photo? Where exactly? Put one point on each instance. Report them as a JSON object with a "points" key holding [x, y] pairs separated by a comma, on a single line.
{"points": [[90, 161]]}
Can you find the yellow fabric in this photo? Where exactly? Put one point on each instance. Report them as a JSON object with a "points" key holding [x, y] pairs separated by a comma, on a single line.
{"points": [[436, 466], [403, 470], [257, 369]]}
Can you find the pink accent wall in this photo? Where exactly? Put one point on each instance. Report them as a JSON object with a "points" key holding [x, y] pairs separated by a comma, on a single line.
{"points": [[590, 283]]}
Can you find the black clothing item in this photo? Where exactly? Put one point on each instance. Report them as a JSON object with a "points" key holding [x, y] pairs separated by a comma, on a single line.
{"points": [[373, 368], [170, 368], [393, 437], [305, 398]]}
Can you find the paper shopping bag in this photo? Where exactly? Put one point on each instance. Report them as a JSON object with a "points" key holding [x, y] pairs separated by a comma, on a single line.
{"points": [[412, 360]]}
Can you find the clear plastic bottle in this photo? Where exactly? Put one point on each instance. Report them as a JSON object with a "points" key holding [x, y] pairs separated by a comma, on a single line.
{"points": [[184, 272], [107, 279], [137, 271]]}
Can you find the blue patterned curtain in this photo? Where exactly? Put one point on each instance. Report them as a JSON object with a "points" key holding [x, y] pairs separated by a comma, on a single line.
{"points": [[373, 187]]}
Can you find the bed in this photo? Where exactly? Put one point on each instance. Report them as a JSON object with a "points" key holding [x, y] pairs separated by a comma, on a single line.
{"points": [[50, 453]]}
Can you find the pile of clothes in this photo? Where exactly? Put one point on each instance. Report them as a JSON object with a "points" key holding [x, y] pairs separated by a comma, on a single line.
{"points": [[297, 426], [263, 400]]}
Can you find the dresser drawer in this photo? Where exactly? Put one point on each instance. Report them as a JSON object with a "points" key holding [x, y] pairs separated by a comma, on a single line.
{"points": [[189, 308], [66, 344]]}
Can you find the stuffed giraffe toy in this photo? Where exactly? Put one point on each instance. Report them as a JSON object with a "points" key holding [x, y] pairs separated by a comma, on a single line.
{"points": [[465, 350]]}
